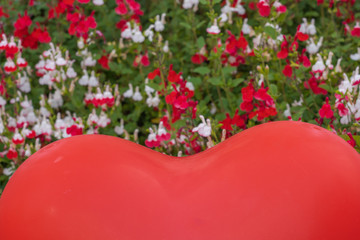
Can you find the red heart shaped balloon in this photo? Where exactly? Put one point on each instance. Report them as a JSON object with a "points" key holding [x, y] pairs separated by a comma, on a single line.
{"points": [[276, 181]]}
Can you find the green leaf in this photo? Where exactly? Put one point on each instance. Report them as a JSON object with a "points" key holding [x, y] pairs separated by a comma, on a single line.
{"points": [[196, 81], [154, 86], [357, 139], [202, 70], [116, 67], [186, 25], [271, 32], [235, 82], [215, 81], [228, 70], [326, 87], [200, 24], [273, 89], [200, 42]]}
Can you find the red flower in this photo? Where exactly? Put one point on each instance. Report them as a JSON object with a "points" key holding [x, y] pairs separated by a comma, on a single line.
{"points": [[313, 84], [69, 2], [238, 120], [145, 60], [121, 9], [287, 70], [356, 31], [41, 35], [22, 22], [153, 74], [74, 130], [135, 6], [304, 59], [284, 49], [248, 93], [104, 62], [198, 58], [246, 106], [12, 154], [325, 111], [352, 141], [262, 95], [226, 123], [264, 8], [2, 13], [343, 111], [83, 1], [301, 35], [241, 42], [173, 76]]}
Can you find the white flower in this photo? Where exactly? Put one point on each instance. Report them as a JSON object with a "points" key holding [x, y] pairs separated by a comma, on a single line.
{"points": [[60, 61], [214, 29], [56, 100], [24, 84], [98, 2], [84, 80], [319, 66], [213, 109], [50, 65], [80, 43], [119, 130], [4, 41], [2, 127], [93, 118], [159, 23], [298, 103], [246, 29], [311, 29], [149, 32], [59, 123], [204, 128], [89, 61], [356, 56], [345, 85], [338, 66], [45, 127], [345, 119], [239, 8], [8, 171], [313, 48], [166, 46], [137, 35], [287, 112], [137, 96], [328, 61], [93, 81], [31, 118], [187, 4], [190, 86], [223, 17], [147, 88], [153, 101], [103, 120], [2, 102], [129, 93], [70, 72], [127, 33]]}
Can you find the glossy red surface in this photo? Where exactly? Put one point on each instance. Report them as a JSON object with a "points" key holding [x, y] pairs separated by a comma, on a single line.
{"points": [[277, 181]]}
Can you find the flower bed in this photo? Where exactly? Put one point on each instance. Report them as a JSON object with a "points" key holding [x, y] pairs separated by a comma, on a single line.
{"points": [[176, 76]]}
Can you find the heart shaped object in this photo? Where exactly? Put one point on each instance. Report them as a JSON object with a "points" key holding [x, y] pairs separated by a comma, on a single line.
{"points": [[277, 181]]}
